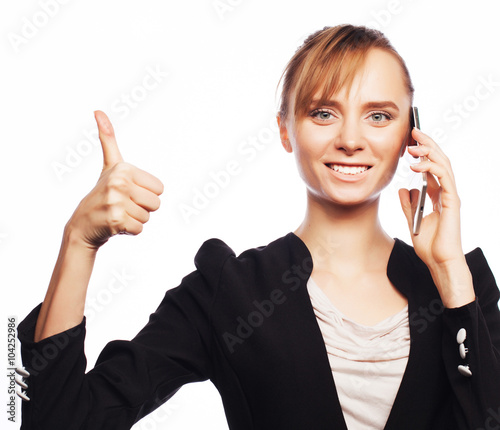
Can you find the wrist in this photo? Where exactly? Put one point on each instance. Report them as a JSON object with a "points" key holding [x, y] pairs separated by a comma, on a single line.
{"points": [[454, 283], [72, 238]]}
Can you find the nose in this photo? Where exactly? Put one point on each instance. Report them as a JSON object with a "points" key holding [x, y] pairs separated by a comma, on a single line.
{"points": [[349, 138]]}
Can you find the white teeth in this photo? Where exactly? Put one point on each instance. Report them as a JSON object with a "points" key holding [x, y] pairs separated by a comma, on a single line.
{"points": [[348, 170]]}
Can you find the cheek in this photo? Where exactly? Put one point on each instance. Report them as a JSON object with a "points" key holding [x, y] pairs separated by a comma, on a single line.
{"points": [[313, 141], [388, 145], [305, 145], [308, 149], [304, 158]]}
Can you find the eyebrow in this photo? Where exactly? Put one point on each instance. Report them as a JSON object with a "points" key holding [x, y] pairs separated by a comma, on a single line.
{"points": [[368, 105]]}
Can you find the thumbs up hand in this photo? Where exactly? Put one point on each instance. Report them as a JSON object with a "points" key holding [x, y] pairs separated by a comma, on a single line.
{"points": [[121, 200]]}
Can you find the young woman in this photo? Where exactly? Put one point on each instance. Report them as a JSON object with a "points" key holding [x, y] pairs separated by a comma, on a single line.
{"points": [[333, 326]]}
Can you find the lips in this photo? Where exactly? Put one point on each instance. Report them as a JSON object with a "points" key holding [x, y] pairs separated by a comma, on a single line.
{"points": [[348, 169]]}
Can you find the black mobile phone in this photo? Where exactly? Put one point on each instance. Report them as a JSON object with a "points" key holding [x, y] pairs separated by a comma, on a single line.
{"points": [[418, 181]]}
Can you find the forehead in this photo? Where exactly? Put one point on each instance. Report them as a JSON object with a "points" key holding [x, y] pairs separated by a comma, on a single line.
{"points": [[379, 78]]}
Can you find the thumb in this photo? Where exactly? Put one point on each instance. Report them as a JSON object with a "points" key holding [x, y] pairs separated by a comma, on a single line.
{"points": [[110, 151]]}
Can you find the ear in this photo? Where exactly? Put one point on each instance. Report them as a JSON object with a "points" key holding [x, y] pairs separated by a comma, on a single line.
{"points": [[285, 141]]}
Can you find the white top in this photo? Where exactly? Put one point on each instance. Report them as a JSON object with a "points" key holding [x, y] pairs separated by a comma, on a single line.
{"points": [[367, 362]]}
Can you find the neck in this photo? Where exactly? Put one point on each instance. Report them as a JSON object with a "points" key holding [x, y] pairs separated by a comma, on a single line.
{"points": [[340, 237]]}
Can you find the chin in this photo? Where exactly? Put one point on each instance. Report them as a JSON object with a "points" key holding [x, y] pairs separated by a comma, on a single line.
{"points": [[346, 201]]}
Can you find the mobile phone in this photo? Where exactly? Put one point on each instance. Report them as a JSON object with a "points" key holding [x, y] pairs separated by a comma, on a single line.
{"points": [[418, 182]]}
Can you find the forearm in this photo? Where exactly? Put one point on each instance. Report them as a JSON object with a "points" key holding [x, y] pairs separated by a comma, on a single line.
{"points": [[64, 303]]}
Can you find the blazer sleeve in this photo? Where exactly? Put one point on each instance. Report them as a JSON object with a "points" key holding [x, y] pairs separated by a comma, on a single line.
{"points": [[130, 378], [477, 395]]}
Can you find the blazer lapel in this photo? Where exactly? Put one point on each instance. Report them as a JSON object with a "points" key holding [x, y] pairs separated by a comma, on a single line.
{"points": [[410, 276], [313, 350]]}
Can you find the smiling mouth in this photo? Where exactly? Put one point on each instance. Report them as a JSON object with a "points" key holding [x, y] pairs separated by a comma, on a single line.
{"points": [[348, 170]]}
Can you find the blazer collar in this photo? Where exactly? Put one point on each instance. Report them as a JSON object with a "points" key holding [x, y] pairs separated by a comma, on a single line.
{"points": [[399, 272]]}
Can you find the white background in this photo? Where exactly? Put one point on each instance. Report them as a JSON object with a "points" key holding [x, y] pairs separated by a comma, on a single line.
{"points": [[217, 71]]}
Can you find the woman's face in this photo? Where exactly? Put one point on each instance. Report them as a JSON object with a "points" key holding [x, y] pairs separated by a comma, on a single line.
{"points": [[347, 150]]}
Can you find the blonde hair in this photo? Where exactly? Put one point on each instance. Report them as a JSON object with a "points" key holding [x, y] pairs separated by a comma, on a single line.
{"points": [[330, 58]]}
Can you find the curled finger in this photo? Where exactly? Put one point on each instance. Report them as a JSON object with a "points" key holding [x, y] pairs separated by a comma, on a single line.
{"points": [[148, 181], [144, 198], [137, 212]]}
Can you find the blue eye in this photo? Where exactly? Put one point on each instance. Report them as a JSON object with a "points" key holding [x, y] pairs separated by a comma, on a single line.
{"points": [[379, 116], [322, 115]]}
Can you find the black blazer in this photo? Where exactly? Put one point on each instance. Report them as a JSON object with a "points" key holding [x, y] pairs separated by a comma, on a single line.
{"points": [[247, 324]]}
